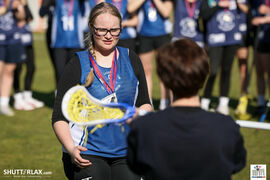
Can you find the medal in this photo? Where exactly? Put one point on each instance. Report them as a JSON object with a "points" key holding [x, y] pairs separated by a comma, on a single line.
{"points": [[226, 18], [152, 13]]}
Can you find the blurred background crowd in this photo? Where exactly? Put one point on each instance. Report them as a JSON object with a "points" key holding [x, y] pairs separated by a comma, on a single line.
{"points": [[224, 28]]}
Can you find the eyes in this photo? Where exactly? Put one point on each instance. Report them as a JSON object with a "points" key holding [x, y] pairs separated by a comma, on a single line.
{"points": [[104, 31]]}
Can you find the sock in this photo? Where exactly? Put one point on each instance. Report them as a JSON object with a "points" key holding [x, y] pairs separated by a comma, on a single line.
{"points": [[223, 101], [4, 101], [205, 102]]}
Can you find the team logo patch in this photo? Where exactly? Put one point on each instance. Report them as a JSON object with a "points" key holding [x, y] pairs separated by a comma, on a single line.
{"points": [[226, 21], [188, 27]]}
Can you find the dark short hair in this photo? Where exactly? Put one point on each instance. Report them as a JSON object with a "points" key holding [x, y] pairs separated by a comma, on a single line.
{"points": [[183, 67]]}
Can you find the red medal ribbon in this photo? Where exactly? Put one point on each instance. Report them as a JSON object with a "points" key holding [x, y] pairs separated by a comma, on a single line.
{"points": [[109, 87], [69, 5], [191, 10]]}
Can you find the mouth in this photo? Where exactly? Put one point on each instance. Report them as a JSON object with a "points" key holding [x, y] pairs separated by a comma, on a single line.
{"points": [[108, 42]]}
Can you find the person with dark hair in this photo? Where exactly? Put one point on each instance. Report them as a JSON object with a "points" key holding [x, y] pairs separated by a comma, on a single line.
{"points": [[185, 141], [99, 152]]}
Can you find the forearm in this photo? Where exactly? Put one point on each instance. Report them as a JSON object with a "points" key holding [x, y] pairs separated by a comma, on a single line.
{"points": [[130, 22], [243, 7], [3, 10], [61, 129], [134, 5], [164, 8]]}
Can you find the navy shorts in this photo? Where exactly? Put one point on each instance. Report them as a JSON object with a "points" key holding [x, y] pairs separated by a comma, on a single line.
{"points": [[147, 44], [12, 53]]}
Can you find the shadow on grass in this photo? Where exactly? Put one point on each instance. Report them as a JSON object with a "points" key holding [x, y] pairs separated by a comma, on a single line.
{"points": [[47, 97]]}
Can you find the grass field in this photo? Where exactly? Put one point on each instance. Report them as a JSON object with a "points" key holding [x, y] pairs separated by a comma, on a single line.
{"points": [[28, 141]]}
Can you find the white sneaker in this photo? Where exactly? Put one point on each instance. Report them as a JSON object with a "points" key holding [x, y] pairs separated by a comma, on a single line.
{"points": [[27, 95], [223, 109], [6, 110], [34, 102], [22, 105]]}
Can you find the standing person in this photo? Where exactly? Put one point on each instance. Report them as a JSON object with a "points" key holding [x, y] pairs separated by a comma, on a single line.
{"points": [[23, 100], [178, 142], [101, 154], [242, 53], [9, 41], [262, 52], [67, 32], [154, 30], [47, 9], [223, 38], [128, 35], [186, 25]]}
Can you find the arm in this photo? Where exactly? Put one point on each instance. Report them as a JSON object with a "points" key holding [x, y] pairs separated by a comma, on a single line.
{"points": [[61, 129], [206, 12], [133, 21], [70, 77], [143, 100], [243, 7], [134, 5], [164, 7]]}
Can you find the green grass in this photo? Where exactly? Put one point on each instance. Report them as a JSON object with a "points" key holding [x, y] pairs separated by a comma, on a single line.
{"points": [[28, 141]]}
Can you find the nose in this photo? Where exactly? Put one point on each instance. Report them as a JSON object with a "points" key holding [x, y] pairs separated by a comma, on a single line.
{"points": [[108, 35]]}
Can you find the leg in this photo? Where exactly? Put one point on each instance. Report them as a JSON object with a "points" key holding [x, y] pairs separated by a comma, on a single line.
{"points": [[17, 73], [30, 68], [242, 55], [5, 88], [98, 170], [215, 55], [29, 102], [147, 61], [226, 65], [121, 171], [260, 79], [7, 79]]}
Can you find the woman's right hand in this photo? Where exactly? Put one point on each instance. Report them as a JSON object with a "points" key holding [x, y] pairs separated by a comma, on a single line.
{"points": [[77, 159]]}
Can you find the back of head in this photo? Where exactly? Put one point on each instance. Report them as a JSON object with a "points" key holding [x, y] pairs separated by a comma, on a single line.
{"points": [[183, 67]]}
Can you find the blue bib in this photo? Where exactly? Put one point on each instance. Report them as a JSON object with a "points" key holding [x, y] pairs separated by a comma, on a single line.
{"points": [[107, 140], [186, 26], [66, 29]]}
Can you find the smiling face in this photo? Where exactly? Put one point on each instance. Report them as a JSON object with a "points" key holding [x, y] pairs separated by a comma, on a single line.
{"points": [[102, 22]]}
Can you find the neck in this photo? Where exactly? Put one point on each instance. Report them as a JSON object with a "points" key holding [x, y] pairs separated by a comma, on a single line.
{"points": [[193, 101], [104, 59]]}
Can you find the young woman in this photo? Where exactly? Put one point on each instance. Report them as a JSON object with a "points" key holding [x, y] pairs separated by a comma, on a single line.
{"points": [[180, 141], [23, 100], [223, 39], [100, 152], [9, 41], [154, 30], [262, 52]]}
